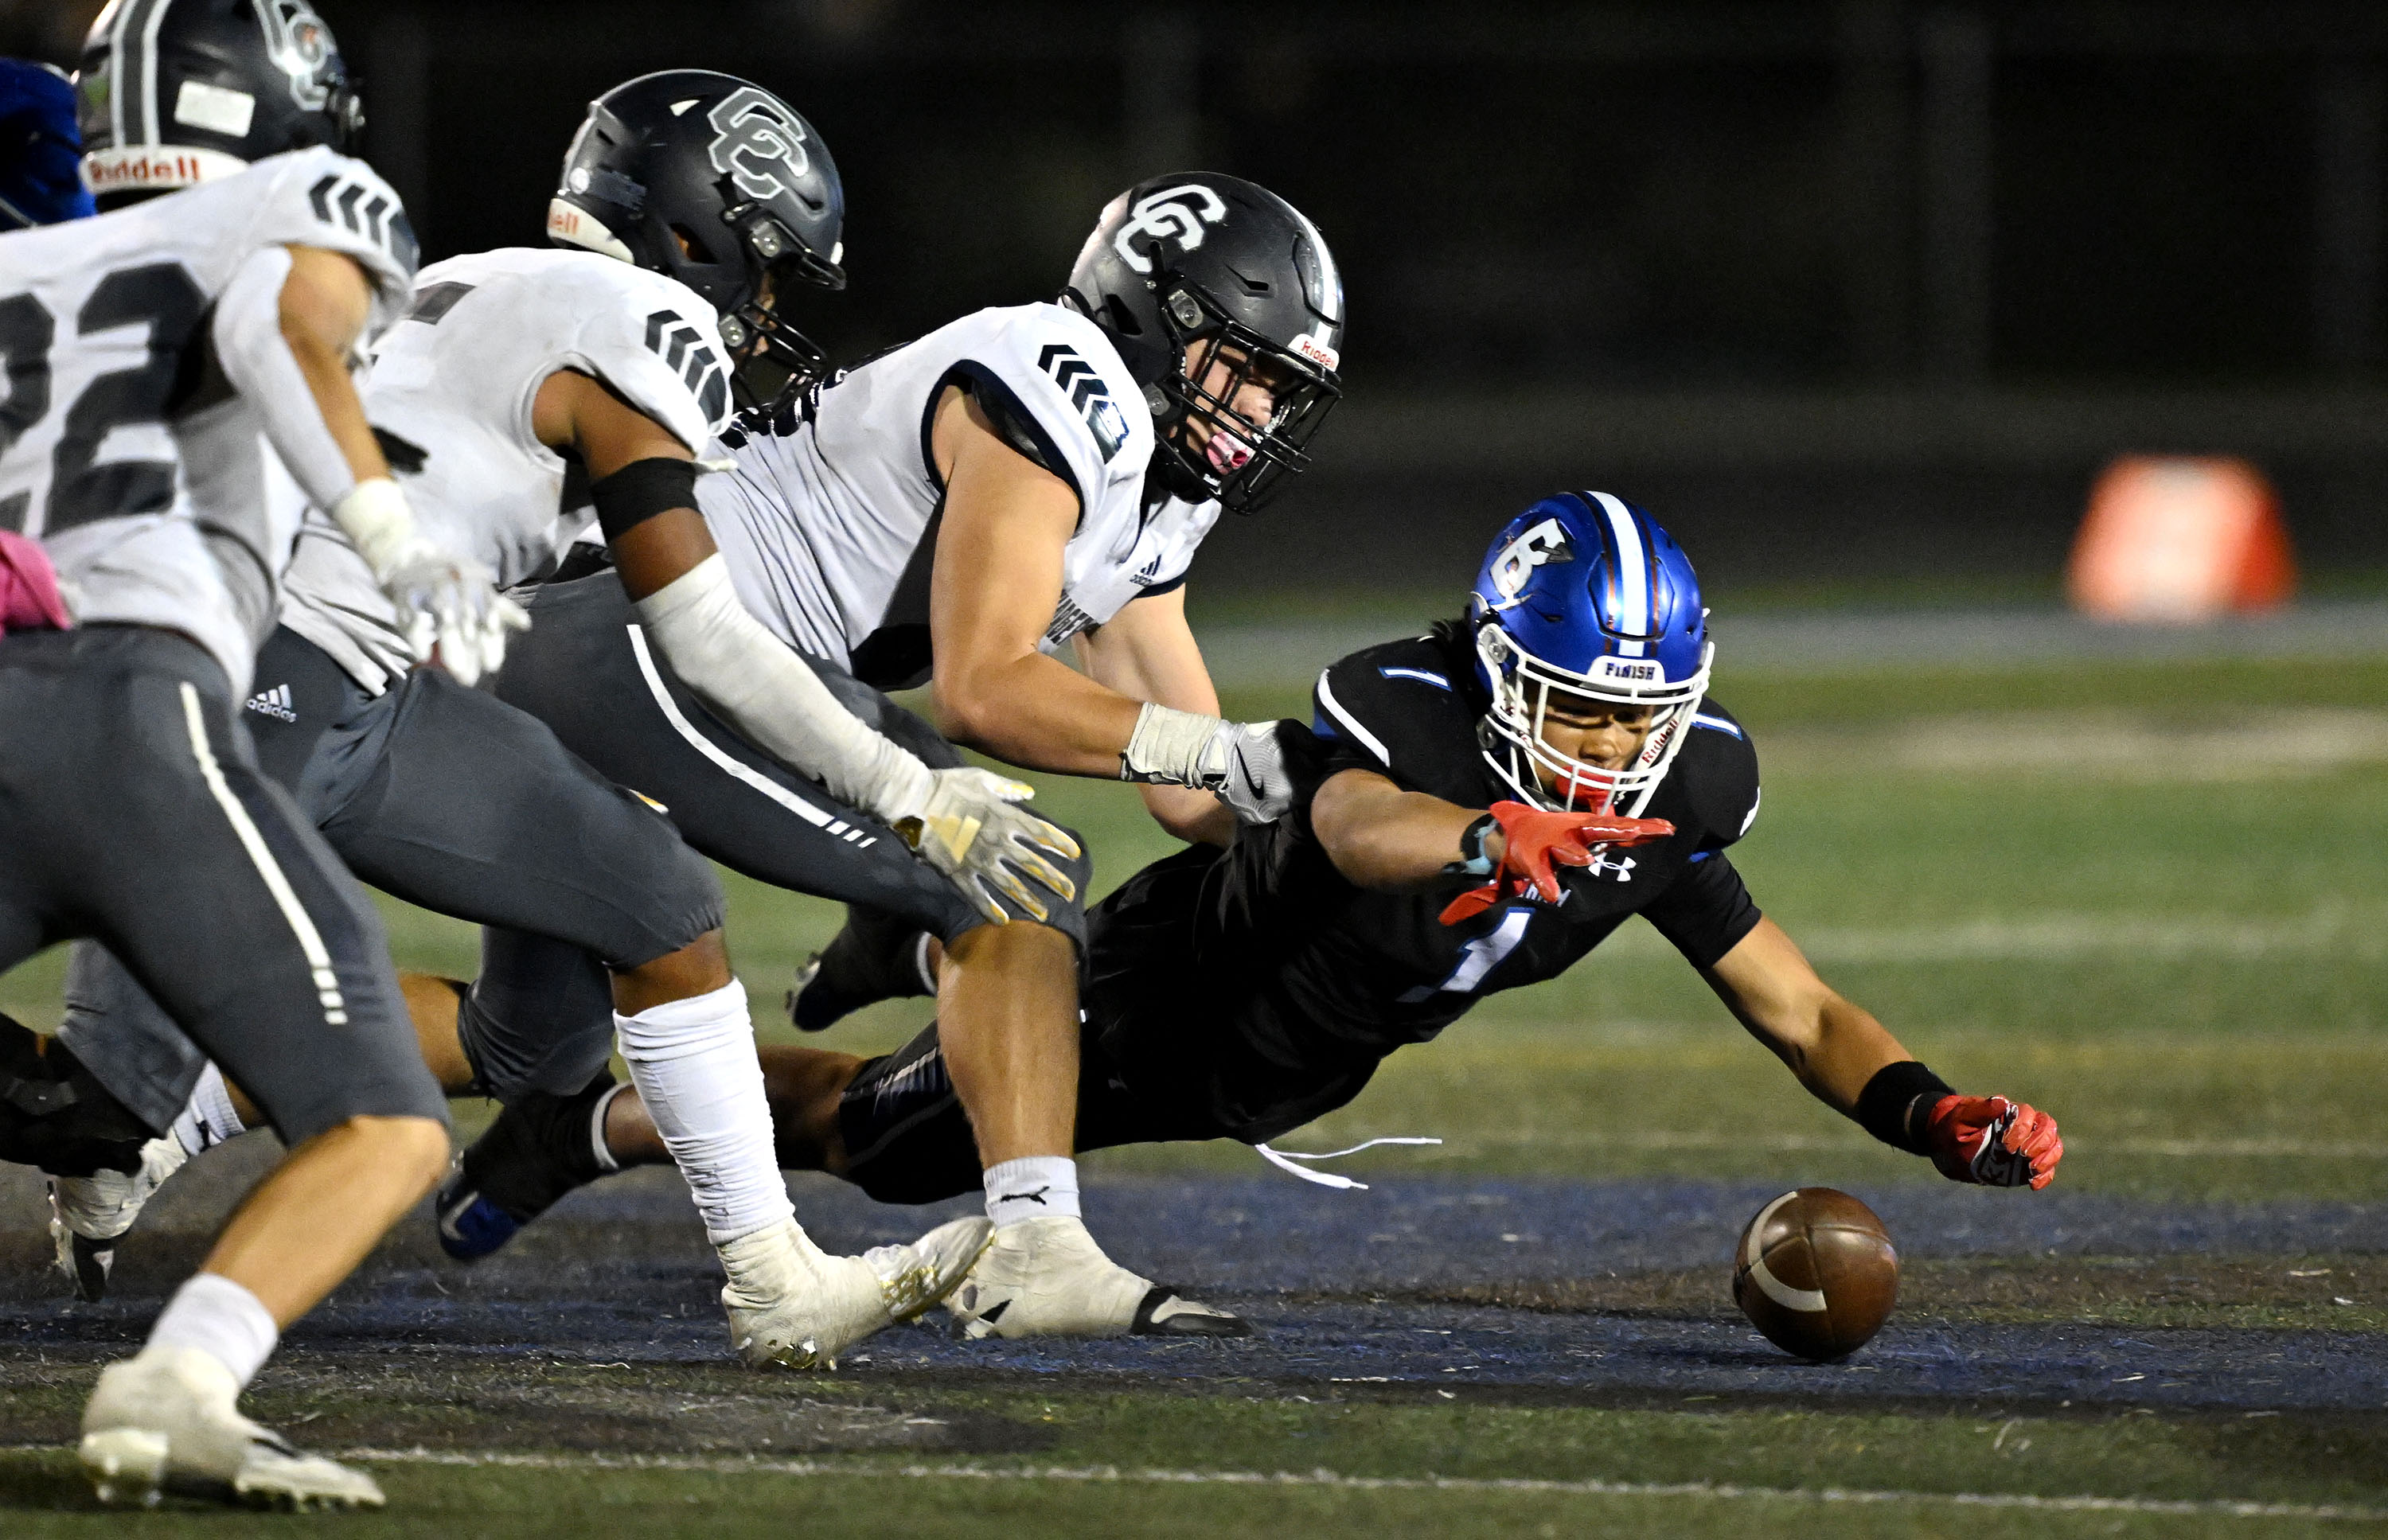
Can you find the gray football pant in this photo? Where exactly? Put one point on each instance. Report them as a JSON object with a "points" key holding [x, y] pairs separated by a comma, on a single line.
{"points": [[586, 670], [132, 810], [449, 799]]}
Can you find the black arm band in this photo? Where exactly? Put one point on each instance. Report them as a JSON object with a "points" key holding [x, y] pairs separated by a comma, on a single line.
{"points": [[641, 490], [1897, 1102], [1472, 860]]}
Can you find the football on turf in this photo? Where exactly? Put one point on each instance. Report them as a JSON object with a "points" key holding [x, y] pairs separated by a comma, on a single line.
{"points": [[1816, 1272]]}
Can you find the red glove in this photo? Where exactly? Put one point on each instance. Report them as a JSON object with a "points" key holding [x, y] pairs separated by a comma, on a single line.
{"points": [[1993, 1142], [1535, 844]]}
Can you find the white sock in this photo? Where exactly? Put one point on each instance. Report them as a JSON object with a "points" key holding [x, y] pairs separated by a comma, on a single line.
{"points": [[694, 1063], [604, 1152], [1034, 1187], [208, 1120], [221, 1318]]}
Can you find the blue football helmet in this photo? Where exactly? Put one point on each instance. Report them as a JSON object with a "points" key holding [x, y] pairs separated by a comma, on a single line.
{"points": [[40, 150], [1584, 595]]}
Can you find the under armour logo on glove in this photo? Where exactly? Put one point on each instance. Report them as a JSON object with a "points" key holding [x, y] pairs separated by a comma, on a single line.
{"points": [[1992, 1141], [1536, 843]]}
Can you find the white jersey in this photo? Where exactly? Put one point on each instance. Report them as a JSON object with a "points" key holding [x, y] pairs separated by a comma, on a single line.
{"points": [[828, 519], [159, 510], [450, 393]]}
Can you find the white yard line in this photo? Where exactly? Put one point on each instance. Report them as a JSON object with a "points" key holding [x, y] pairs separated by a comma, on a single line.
{"points": [[1667, 1139], [1712, 1491]]}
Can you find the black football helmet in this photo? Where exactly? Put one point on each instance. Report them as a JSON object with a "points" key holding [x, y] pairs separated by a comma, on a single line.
{"points": [[718, 182], [174, 93], [1197, 258]]}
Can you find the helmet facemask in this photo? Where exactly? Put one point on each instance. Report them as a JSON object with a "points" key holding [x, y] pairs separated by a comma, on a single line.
{"points": [[1523, 688], [1240, 462], [751, 327]]}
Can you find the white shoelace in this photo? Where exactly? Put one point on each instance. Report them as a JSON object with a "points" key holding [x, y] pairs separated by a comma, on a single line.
{"points": [[1284, 1160]]}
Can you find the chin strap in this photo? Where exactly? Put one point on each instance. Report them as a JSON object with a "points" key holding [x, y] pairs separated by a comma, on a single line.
{"points": [[1284, 1160]]}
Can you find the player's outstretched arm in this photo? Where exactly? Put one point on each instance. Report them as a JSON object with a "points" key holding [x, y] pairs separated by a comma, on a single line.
{"points": [[1147, 652], [962, 822], [1854, 1065], [1382, 836], [992, 596], [285, 334]]}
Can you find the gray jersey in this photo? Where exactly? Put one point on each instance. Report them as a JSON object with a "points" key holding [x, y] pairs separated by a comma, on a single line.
{"points": [[828, 517], [450, 392], [157, 511]]}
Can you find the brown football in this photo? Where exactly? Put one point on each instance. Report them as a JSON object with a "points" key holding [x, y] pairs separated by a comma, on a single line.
{"points": [[1816, 1272]]}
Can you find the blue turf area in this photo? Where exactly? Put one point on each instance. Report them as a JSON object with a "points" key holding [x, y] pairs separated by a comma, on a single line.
{"points": [[1335, 1280]]}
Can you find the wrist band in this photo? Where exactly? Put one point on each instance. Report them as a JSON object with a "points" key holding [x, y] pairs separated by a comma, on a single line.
{"points": [[1472, 860], [1895, 1103]]}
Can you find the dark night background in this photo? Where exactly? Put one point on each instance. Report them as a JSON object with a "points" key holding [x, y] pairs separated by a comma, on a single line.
{"points": [[1856, 295]]}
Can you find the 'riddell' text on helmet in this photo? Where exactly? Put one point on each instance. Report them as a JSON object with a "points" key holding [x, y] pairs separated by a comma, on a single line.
{"points": [[1196, 261], [1585, 596], [174, 93], [716, 182]]}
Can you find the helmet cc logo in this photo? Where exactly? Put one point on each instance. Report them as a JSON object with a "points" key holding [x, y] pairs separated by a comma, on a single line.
{"points": [[1172, 214], [300, 45], [757, 144]]}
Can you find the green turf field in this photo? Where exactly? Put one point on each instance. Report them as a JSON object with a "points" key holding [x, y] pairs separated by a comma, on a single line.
{"points": [[2151, 898]]}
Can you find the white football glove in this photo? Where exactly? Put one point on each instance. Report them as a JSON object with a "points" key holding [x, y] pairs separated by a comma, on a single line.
{"points": [[452, 610], [1242, 762], [448, 604], [967, 829]]}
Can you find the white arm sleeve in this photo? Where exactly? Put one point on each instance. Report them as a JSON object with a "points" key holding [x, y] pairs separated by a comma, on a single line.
{"points": [[258, 360], [768, 692]]}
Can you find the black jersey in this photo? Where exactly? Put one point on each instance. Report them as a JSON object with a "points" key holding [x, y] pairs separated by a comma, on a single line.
{"points": [[1267, 942]]}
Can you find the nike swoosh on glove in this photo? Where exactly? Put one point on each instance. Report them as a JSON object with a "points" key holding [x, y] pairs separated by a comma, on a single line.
{"points": [[969, 831], [1260, 780], [452, 609], [1536, 843], [1994, 1142]]}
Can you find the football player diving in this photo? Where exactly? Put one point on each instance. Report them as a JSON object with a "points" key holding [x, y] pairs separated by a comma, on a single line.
{"points": [[523, 391], [958, 510], [1489, 802]]}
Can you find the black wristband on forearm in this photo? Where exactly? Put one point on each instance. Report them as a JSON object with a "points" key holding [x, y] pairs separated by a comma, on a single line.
{"points": [[641, 490], [1472, 860], [1894, 1105]]}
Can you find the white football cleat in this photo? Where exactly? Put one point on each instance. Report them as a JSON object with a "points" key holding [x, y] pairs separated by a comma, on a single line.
{"points": [[89, 1214], [792, 1303], [1047, 1278], [165, 1421]]}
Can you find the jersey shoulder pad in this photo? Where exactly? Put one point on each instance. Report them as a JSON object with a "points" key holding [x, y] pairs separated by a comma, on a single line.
{"points": [[1397, 708], [649, 336], [319, 197], [1062, 383], [1718, 763]]}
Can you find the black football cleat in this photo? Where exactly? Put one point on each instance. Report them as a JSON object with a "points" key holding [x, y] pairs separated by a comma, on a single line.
{"points": [[539, 1148], [55, 1114], [877, 957]]}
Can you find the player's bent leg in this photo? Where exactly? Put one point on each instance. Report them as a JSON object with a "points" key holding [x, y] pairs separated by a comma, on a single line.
{"points": [[131, 1043], [541, 1148], [283, 979], [874, 956]]}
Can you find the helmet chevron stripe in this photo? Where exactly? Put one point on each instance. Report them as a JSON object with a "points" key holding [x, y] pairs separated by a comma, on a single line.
{"points": [[1633, 566], [153, 16]]}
